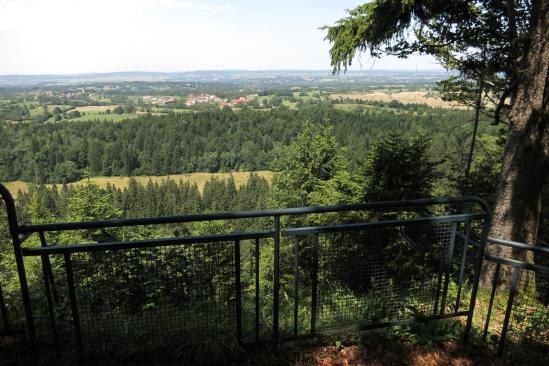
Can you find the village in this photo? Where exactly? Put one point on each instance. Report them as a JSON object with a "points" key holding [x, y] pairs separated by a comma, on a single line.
{"points": [[193, 99]]}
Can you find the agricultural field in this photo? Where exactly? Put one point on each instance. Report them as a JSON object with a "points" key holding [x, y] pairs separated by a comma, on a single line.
{"points": [[199, 179], [406, 97], [102, 116], [95, 108]]}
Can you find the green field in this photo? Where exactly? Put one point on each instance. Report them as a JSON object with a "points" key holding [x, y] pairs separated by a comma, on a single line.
{"points": [[112, 117], [199, 179]]}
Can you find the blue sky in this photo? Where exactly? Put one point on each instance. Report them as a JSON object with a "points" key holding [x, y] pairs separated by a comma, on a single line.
{"points": [[74, 36]]}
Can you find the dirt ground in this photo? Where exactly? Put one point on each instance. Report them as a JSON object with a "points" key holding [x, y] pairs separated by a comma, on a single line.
{"points": [[447, 354]]}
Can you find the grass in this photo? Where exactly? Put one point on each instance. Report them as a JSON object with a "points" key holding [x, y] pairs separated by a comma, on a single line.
{"points": [[199, 179], [168, 110], [38, 111], [406, 97], [112, 117], [351, 107], [95, 108]]}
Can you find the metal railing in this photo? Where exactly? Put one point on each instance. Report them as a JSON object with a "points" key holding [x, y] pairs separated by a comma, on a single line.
{"points": [[313, 279], [283, 281], [516, 319]]}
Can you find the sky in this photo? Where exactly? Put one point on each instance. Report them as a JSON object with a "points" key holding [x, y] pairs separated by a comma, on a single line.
{"points": [[81, 36]]}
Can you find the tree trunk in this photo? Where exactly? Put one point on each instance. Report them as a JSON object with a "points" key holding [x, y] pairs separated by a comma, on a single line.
{"points": [[525, 167], [478, 105]]}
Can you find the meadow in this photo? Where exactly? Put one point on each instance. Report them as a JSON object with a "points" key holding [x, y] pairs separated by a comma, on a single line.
{"points": [[199, 179], [406, 97]]}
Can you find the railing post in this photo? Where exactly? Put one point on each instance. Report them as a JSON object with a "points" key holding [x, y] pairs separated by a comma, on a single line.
{"points": [[296, 283], [238, 290], [276, 281], [491, 302], [49, 270], [462, 266], [257, 289], [508, 309], [314, 285], [476, 280], [48, 275], [14, 233], [74, 304]]}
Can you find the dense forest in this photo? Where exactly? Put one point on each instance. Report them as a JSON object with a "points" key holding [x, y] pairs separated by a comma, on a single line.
{"points": [[220, 140], [313, 169]]}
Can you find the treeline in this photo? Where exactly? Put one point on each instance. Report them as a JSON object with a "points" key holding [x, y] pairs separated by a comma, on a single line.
{"points": [[14, 112], [314, 171], [417, 107], [167, 198], [212, 141]]}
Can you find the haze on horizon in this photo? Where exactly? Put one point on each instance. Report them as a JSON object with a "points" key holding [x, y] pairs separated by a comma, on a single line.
{"points": [[83, 36]]}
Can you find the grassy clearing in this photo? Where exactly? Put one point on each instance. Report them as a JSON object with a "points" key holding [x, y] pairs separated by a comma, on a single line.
{"points": [[168, 110], [407, 97], [96, 108], [199, 179], [351, 107], [36, 112], [101, 116], [16, 186]]}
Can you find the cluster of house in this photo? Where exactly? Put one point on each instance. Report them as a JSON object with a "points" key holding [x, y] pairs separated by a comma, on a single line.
{"points": [[194, 99], [77, 92], [158, 100]]}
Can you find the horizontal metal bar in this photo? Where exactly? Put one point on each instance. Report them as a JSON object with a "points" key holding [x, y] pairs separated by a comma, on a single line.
{"points": [[518, 245], [117, 245], [518, 264], [414, 320], [363, 225], [361, 328], [250, 214]]}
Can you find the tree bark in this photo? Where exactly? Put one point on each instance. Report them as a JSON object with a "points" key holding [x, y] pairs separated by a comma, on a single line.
{"points": [[525, 167]]}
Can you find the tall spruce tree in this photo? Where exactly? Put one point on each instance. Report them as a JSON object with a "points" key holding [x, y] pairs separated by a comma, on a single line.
{"points": [[505, 41]]}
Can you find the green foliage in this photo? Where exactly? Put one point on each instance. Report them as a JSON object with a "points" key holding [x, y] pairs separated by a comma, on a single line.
{"points": [[428, 333], [210, 141], [74, 114], [89, 202], [313, 171], [398, 168], [66, 172], [485, 170], [480, 39]]}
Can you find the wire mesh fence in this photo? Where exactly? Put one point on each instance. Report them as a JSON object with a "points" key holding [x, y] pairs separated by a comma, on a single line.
{"points": [[224, 289], [279, 283], [157, 294], [528, 332], [514, 307], [381, 275], [367, 277]]}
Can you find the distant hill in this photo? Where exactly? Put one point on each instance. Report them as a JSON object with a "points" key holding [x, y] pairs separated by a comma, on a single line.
{"points": [[215, 75]]}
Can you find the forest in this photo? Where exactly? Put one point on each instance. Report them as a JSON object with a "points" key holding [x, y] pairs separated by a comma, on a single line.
{"points": [[314, 170], [387, 217], [321, 154], [214, 141]]}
